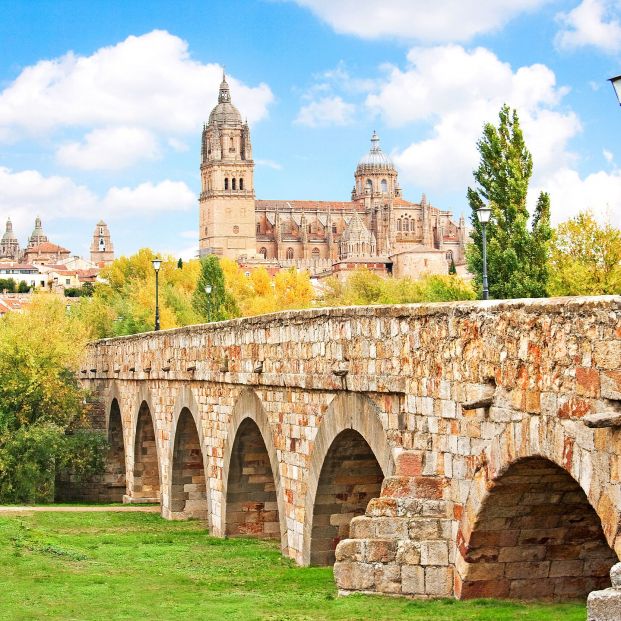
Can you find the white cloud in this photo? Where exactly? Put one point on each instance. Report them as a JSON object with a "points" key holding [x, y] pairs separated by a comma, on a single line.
{"points": [[149, 81], [592, 23], [331, 110], [608, 155], [569, 193], [110, 148], [165, 196], [448, 20], [25, 194], [456, 109]]}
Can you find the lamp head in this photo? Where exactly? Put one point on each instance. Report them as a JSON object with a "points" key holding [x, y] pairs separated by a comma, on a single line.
{"points": [[208, 289], [483, 214], [616, 84], [157, 263]]}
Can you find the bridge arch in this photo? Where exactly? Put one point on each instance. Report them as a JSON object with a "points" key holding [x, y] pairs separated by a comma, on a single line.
{"points": [[354, 419], [529, 528], [146, 458], [249, 419], [185, 492], [115, 475]]}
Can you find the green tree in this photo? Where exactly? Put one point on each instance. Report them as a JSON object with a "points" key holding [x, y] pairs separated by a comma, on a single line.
{"points": [[7, 284], [517, 255], [43, 411], [585, 258], [219, 304], [23, 287], [452, 267]]}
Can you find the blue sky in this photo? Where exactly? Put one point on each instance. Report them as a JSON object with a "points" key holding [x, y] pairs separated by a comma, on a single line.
{"points": [[102, 103]]}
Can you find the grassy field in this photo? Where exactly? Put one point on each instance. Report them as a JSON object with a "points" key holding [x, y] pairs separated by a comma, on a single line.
{"points": [[114, 566]]}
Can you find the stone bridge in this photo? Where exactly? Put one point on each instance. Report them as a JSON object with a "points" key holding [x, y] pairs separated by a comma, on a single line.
{"points": [[467, 449]]}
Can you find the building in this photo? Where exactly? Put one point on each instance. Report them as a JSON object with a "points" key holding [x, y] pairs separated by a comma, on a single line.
{"points": [[377, 228], [102, 250]]}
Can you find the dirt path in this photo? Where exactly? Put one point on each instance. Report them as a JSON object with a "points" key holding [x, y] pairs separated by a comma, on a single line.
{"points": [[78, 508]]}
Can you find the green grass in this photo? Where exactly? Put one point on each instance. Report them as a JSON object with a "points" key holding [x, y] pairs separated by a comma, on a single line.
{"points": [[135, 566]]}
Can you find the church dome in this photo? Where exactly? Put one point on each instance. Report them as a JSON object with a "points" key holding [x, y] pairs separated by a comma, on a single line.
{"points": [[375, 158], [225, 113]]}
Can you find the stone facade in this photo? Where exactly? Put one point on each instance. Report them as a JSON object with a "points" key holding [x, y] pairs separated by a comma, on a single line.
{"points": [[460, 449], [377, 228]]}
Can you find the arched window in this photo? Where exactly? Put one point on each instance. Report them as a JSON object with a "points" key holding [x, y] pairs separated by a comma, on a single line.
{"points": [[258, 228], [233, 183], [226, 183], [241, 184], [384, 186], [369, 185], [315, 253], [449, 255], [263, 252], [334, 229], [289, 253], [406, 224], [399, 224]]}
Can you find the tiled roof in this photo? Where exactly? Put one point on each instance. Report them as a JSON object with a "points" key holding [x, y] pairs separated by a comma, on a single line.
{"points": [[48, 247], [309, 205]]}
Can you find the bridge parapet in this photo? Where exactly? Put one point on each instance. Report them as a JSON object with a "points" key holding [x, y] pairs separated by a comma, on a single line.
{"points": [[447, 399]]}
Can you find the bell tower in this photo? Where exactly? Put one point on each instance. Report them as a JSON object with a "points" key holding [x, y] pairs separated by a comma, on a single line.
{"points": [[226, 206], [102, 250]]}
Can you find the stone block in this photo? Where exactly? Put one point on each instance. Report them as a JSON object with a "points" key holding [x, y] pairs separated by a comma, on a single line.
{"points": [[408, 553], [434, 553], [412, 580], [381, 550], [388, 579], [438, 581], [351, 550], [604, 605], [354, 576]]}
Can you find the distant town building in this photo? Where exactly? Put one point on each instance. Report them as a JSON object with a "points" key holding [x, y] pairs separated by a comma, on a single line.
{"points": [[102, 250], [377, 228], [9, 246]]}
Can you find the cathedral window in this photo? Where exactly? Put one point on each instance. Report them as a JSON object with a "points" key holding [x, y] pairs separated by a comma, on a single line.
{"points": [[384, 186], [315, 253], [289, 253], [334, 229], [399, 224], [369, 185], [406, 224], [449, 255], [226, 183], [236, 229], [258, 228], [263, 252], [241, 184], [233, 183]]}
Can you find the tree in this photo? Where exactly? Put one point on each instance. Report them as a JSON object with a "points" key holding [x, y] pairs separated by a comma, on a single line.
{"points": [[517, 255], [43, 416], [585, 258], [23, 287], [219, 304], [452, 267], [8, 285]]}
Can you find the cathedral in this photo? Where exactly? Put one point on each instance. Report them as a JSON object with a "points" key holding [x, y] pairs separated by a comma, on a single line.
{"points": [[377, 229]]}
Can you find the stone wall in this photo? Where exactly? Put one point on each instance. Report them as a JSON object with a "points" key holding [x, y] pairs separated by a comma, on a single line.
{"points": [[446, 403]]}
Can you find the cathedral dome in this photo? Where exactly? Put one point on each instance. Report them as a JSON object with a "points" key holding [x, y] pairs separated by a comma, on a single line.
{"points": [[375, 158], [225, 113]]}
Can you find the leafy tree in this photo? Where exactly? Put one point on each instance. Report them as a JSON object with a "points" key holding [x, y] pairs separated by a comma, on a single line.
{"points": [[43, 416], [517, 255], [366, 287], [180, 264], [124, 303], [585, 258], [23, 287], [452, 268], [7, 284], [219, 304]]}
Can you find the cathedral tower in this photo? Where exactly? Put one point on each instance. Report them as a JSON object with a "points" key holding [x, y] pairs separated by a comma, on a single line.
{"points": [[102, 250], [226, 206], [376, 187]]}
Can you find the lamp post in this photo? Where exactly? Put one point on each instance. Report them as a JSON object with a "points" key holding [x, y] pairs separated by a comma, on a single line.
{"points": [[208, 292], [484, 213], [616, 84], [157, 263]]}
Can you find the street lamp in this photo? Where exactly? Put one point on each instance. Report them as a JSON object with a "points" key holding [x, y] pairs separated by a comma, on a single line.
{"points": [[484, 213], [208, 292], [157, 263], [616, 84]]}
